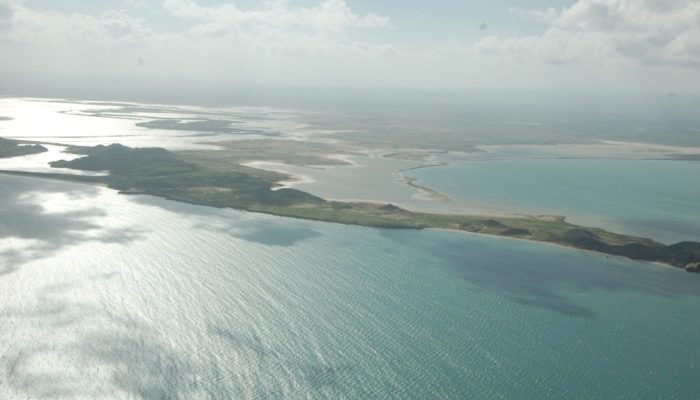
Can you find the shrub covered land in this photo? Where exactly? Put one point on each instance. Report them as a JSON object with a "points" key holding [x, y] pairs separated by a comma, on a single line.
{"points": [[159, 172], [15, 148]]}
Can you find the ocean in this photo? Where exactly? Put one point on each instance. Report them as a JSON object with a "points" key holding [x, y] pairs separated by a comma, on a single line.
{"points": [[126, 297]]}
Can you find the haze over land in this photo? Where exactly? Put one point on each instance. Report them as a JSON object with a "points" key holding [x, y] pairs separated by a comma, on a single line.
{"points": [[395, 74]]}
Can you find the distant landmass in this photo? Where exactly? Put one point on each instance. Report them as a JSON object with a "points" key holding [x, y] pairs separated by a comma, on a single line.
{"points": [[14, 148], [686, 157]]}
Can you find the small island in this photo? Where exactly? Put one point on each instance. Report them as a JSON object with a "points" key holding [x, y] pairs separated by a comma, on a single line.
{"points": [[159, 172], [15, 148]]}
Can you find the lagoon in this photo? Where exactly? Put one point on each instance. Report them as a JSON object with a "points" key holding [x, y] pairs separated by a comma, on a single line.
{"points": [[658, 199]]}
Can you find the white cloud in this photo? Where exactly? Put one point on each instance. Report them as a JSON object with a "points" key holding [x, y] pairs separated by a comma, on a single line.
{"points": [[275, 42], [277, 27], [327, 28], [609, 31], [44, 27], [328, 16], [546, 15], [318, 42]]}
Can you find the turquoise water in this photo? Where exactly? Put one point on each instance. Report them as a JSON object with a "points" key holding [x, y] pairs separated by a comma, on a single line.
{"points": [[650, 198], [139, 297]]}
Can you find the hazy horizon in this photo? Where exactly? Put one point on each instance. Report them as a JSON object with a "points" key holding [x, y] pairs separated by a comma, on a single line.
{"points": [[610, 45]]}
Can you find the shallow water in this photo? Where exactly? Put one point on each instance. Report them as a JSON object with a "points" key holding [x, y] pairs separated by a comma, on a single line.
{"points": [[92, 123], [370, 178], [659, 199], [112, 296], [40, 162]]}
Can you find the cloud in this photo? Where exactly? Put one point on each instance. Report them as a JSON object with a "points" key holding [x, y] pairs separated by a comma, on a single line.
{"points": [[329, 16], [274, 27], [273, 42], [322, 42], [649, 32], [5, 16], [546, 15], [277, 27], [36, 26]]}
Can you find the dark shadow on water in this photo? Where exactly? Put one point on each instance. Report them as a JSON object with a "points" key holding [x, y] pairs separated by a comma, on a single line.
{"points": [[540, 275], [241, 341], [132, 358], [557, 304], [51, 310], [320, 375], [39, 384], [271, 234], [22, 216], [140, 365]]}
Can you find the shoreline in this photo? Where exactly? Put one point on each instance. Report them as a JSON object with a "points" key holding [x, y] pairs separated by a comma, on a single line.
{"points": [[622, 151], [427, 192], [484, 225], [560, 245], [162, 173], [294, 180], [438, 229], [428, 200]]}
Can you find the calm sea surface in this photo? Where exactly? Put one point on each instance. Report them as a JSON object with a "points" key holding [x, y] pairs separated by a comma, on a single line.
{"points": [[650, 198], [120, 297]]}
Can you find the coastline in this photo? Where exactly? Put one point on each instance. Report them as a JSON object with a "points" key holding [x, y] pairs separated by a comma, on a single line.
{"points": [[603, 149], [295, 179], [562, 246], [545, 218], [541, 229], [428, 193], [162, 173]]}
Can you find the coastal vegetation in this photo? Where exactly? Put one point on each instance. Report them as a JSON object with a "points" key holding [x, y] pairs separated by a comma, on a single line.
{"points": [[159, 172], [15, 148]]}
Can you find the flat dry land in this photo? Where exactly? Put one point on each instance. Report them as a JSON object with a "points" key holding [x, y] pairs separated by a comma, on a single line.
{"points": [[284, 151]]}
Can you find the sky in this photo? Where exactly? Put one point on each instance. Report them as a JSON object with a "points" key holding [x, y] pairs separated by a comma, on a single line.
{"points": [[625, 45]]}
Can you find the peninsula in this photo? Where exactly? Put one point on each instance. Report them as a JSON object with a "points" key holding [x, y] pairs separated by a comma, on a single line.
{"points": [[15, 148], [159, 172]]}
